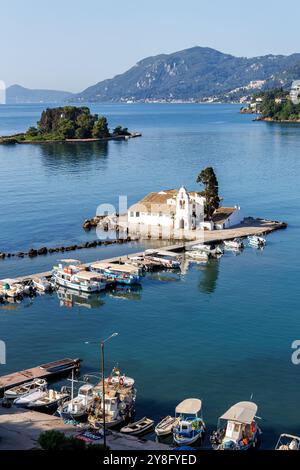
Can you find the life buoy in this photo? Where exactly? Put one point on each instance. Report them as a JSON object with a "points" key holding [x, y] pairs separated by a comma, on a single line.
{"points": [[253, 427]]}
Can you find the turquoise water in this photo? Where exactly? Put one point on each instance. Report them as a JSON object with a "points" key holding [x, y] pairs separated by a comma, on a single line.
{"points": [[220, 332]]}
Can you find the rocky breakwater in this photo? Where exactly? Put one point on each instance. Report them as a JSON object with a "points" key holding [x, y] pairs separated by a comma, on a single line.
{"points": [[43, 251]]}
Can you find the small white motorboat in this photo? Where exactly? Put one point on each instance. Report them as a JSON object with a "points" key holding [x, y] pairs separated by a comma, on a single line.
{"points": [[139, 427], [210, 249], [235, 244], [25, 400], [42, 284], [166, 426], [288, 442], [197, 255], [257, 242], [190, 426], [47, 402], [25, 389]]}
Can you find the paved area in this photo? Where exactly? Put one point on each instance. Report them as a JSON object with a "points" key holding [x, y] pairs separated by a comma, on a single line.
{"points": [[20, 429]]}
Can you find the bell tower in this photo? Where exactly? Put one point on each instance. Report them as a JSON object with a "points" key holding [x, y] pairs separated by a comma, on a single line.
{"points": [[183, 210]]}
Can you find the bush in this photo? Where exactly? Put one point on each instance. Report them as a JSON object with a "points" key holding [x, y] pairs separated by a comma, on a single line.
{"points": [[55, 440]]}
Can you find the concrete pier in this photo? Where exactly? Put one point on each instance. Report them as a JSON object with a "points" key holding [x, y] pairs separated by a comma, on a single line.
{"points": [[252, 227]]}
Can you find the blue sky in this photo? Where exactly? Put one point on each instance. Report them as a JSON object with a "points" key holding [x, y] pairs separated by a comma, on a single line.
{"points": [[70, 45]]}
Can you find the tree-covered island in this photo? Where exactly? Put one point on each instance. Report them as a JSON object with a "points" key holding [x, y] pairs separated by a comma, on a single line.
{"points": [[274, 106], [69, 123]]}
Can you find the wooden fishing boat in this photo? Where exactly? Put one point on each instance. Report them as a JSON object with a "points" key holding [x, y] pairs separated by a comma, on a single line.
{"points": [[74, 276], [190, 427], [121, 273], [237, 428], [139, 427], [77, 407], [25, 389], [166, 426]]}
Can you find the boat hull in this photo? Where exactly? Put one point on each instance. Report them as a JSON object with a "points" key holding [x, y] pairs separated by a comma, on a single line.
{"points": [[78, 287]]}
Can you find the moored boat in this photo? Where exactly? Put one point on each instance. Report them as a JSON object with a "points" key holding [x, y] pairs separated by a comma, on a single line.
{"points": [[24, 389], [210, 249], [166, 426], [23, 402], [139, 427], [288, 442], [190, 427], [120, 273], [256, 241], [237, 428], [42, 284], [163, 258], [11, 288], [48, 402], [120, 396], [77, 407], [74, 276], [197, 255], [235, 244]]}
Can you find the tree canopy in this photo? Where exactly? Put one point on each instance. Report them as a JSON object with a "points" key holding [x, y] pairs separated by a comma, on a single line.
{"points": [[208, 178], [71, 122]]}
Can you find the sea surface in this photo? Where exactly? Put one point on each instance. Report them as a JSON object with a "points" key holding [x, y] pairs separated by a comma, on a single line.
{"points": [[221, 332]]}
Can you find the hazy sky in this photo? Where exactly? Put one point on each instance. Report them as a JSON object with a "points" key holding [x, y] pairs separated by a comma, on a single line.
{"points": [[72, 44]]}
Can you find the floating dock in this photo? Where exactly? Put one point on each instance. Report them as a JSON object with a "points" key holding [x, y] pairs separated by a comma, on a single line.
{"points": [[45, 371]]}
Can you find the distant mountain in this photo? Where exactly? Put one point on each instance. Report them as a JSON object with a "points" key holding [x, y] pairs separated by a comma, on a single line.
{"points": [[199, 73], [17, 94]]}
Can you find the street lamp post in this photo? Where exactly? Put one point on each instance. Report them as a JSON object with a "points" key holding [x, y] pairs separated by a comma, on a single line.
{"points": [[103, 386]]}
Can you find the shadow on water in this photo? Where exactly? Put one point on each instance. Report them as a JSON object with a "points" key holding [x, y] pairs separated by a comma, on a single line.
{"points": [[63, 155], [209, 277]]}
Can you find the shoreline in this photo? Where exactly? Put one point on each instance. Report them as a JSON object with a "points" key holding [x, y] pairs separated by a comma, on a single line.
{"points": [[14, 139]]}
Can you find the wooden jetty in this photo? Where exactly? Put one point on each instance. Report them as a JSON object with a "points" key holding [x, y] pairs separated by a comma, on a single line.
{"points": [[45, 371]]}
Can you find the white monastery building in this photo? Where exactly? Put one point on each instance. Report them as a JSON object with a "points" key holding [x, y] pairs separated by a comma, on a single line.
{"points": [[174, 210]]}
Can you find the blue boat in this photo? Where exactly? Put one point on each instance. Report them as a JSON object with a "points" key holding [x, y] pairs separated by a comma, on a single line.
{"points": [[121, 273], [191, 426]]}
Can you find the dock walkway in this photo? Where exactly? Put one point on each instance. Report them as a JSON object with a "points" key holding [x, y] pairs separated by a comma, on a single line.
{"points": [[253, 227], [45, 371]]}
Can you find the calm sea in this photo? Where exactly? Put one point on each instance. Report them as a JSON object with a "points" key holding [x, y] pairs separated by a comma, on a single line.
{"points": [[221, 332]]}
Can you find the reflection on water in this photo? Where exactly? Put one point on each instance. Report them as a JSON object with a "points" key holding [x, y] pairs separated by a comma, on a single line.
{"points": [[209, 277], [80, 154], [127, 292], [70, 299]]}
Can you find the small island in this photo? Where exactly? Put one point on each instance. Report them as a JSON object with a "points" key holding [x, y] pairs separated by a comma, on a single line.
{"points": [[69, 124], [274, 105]]}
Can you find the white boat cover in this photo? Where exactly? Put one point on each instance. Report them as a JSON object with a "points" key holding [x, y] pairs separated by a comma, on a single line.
{"points": [[242, 412], [70, 260], [189, 406], [125, 268], [87, 276]]}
